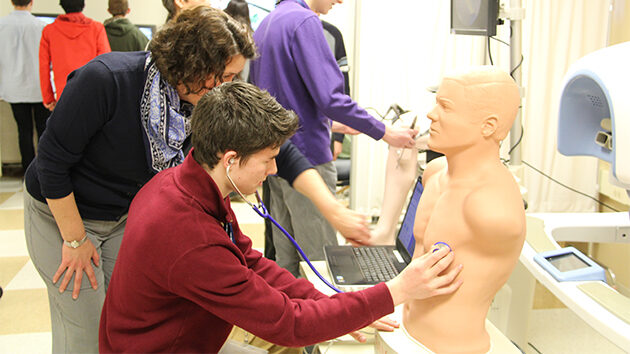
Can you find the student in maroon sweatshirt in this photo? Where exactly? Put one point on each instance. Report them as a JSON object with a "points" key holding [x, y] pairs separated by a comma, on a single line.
{"points": [[186, 274]]}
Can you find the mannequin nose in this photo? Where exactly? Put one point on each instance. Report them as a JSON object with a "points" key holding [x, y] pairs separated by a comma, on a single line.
{"points": [[433, 114]]}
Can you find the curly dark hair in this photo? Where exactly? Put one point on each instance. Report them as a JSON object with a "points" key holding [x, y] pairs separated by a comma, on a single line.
{"points": [[169, 5], [241, 117], [198, 44]]}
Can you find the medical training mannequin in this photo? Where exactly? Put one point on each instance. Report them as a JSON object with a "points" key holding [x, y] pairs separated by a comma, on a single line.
{"points": [[472, 203]]}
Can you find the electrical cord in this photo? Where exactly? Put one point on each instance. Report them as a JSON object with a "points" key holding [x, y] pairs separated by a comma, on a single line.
{"points": [[489, 51], [507, 44], [536, 349], [500, 40], [520, 138], [506, 161], [569, 188], [375, 111], [398, 111], [517, 66]]}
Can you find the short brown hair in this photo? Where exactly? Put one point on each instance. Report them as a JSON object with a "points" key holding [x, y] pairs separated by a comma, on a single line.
{"points": [[199, 43], [21, 2], [118, 7], [240, 117], [70, 6]]}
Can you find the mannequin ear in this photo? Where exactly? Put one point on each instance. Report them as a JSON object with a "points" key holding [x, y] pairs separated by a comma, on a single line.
{"points": [[489, 126]]}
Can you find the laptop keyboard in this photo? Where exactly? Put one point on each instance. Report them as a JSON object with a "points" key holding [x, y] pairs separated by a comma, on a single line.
{"points": [[374, 264]]}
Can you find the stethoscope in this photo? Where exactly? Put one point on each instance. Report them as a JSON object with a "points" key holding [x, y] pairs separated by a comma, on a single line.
{"points": [[261, 210]]}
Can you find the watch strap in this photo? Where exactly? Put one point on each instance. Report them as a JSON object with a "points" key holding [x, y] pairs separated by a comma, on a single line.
{"points": [[75, 243]]}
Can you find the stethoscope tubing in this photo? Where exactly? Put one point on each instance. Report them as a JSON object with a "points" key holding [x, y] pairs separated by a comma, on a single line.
{"points": [[261, 210]]}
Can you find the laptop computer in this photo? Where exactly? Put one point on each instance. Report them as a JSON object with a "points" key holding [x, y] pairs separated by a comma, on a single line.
{"points": [[357, 267]]}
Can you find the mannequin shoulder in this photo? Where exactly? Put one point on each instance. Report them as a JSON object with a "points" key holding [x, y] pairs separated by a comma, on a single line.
{"points": [[496, 208], [433, 168]]}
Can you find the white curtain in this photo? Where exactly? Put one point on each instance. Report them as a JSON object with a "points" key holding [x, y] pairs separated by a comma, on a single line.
{"points": [[555, 34], [403, 46]]}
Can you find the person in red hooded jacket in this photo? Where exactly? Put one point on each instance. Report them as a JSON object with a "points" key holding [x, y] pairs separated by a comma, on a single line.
{"points": [[67, 44]]}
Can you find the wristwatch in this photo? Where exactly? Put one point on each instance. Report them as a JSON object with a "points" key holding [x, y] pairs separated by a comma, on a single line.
{"points": [[75, 243]]}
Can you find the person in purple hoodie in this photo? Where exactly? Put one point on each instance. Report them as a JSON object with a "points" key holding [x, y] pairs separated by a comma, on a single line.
{"points": [[297, 67]]}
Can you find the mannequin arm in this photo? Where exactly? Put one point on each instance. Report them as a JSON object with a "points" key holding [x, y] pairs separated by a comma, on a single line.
{"points": [[402, 165]]}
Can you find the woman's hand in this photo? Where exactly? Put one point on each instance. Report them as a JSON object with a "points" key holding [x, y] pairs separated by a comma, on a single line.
{"points": [[76, 261]]}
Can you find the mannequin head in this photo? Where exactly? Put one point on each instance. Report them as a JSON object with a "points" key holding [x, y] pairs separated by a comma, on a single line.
{"points": [[474, 107]]}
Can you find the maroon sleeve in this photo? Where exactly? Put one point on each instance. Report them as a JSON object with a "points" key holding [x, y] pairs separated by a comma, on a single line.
{"points": [[214, 277]]}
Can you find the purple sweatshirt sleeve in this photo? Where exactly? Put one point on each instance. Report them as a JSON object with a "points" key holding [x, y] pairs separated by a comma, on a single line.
{"points": [[315, 61]]}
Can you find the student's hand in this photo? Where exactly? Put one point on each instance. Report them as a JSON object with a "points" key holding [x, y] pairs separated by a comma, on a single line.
{"points": [[384, 324], [76, 261], [400, 137], [423, 277], [351, 225]]}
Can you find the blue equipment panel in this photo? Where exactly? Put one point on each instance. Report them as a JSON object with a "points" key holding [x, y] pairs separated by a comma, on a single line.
{"points": [[569, 264]]}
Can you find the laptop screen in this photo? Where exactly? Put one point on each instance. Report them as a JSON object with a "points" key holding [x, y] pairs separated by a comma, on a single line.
{"points": [[405, 234]]}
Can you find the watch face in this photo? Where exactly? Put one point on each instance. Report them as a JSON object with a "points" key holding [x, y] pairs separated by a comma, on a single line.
{"points": [[74, 244]]}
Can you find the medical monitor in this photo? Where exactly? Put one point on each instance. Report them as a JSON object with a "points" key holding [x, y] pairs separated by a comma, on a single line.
{"points": [[147, 30], [474, 17], [46, 18]]}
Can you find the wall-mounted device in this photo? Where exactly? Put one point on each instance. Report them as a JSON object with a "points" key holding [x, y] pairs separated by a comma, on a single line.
{"points": [[474, 17]]}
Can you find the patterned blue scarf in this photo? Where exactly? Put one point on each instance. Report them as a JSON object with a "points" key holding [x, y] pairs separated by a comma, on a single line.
{"points": [[166, 124]]}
